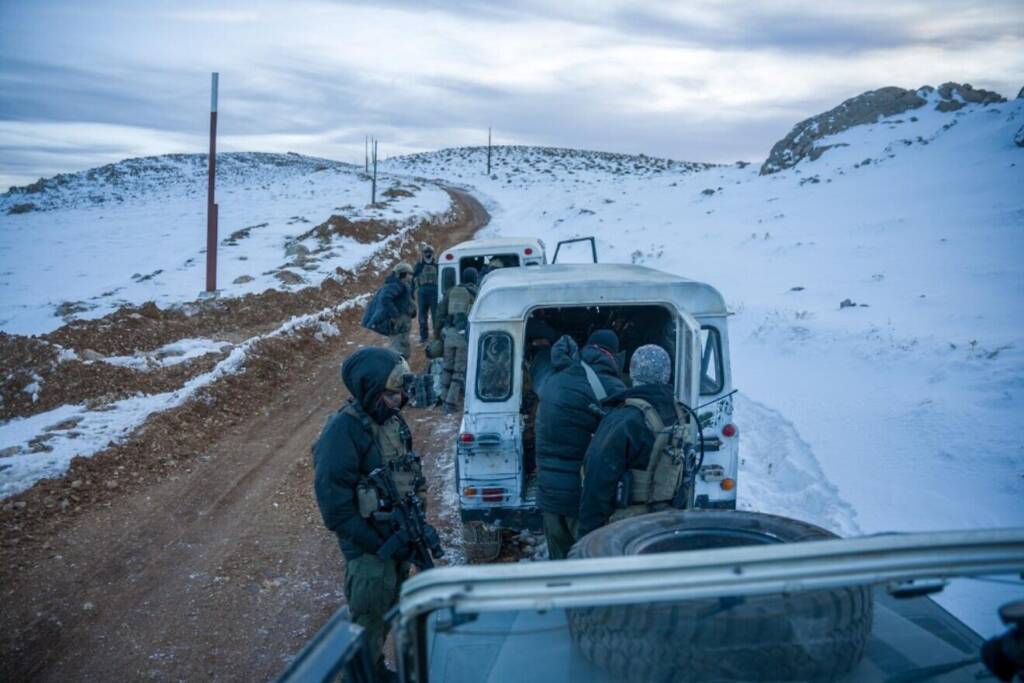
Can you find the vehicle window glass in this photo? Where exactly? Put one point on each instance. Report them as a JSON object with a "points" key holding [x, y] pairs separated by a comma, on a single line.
{"points": [[494, 367], [711, 361], [447, 279]]}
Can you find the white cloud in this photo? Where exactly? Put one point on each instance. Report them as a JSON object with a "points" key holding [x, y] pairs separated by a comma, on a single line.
{"points": [[636, 77]]}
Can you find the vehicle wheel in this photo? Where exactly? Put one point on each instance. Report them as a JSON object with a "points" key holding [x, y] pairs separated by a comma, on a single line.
{"points": [[810, 635]]}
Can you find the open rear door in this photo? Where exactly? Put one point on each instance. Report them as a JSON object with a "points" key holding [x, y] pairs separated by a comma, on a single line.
{"points": [[688, 360], [576, 251]]}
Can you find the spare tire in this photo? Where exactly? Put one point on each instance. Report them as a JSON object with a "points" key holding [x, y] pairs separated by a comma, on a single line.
{"points": [[811, 635]]}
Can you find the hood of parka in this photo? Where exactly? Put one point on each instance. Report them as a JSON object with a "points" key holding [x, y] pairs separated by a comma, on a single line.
{"points": [[565, 353], [365, 374]]}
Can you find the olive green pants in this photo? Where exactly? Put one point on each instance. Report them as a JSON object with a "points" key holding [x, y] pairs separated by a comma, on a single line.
{"points": [[399, 339], [560, 533], [371, 589], [456, 357]]}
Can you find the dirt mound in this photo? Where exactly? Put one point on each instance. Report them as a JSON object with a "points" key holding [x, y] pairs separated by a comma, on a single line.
{"points": [[866, 108], [364, 232]]}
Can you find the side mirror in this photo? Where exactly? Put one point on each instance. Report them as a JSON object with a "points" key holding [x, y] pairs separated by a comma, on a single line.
{"points": [[339, 648]]}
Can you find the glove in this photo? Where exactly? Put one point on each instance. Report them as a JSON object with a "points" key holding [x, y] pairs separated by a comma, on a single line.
{"points": [[395, 548]]}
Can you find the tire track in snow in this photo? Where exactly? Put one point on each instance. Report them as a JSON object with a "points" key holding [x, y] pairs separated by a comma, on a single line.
{"points": [[779, 473]]}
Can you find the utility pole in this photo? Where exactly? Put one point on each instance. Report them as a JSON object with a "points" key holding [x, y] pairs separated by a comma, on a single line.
{"points": [[366, 151], [488, 151], [373, 192], [211, 205]]}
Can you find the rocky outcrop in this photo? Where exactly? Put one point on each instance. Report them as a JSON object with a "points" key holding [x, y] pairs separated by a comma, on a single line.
{"points": [[1019, 137], [869, 107]]}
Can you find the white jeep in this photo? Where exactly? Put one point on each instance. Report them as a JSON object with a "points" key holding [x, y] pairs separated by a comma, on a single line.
{"points": [[512, 251], [495, 480]]}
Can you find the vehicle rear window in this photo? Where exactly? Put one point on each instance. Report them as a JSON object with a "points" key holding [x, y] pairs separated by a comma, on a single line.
{"points": [[447, 279], [494, 367], [711, 380]]}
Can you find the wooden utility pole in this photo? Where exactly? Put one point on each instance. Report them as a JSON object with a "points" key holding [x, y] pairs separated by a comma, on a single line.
{"points": [[373, 192], [211, 205], [488, 150]]}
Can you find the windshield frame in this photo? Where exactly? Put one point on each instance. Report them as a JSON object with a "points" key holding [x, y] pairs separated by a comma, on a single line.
{"points": [[728, 572]]}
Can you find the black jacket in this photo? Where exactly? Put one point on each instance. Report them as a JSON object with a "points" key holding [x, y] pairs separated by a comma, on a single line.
{"points": [[623, 441], [345, 451], [566, 419], [392, 300]]}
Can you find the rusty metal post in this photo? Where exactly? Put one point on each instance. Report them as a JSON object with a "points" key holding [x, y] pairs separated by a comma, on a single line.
{"points": [[211, 206], [366, 154]]}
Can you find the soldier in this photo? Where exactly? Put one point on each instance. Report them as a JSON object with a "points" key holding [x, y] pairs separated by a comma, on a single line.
{"points": [[452, 325], [494, 264], [569, 384], [425, 277], [367, 433], [391, 311], [635, 462]]}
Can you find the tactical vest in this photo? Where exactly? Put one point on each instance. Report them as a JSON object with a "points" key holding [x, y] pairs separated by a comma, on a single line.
{"points": [[393, 442], [654, 487], [428, 275], [460, 300]]}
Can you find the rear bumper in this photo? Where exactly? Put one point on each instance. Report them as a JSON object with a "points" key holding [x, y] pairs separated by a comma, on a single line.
{"points": [[518, 519], [703, 503]]}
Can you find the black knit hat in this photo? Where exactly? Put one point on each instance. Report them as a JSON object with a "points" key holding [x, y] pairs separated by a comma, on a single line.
{"points": [[606, 339], [470, 275]]}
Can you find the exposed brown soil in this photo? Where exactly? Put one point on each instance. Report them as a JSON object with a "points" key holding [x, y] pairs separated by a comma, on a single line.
{"points": [[194, 550], [364, 232]]}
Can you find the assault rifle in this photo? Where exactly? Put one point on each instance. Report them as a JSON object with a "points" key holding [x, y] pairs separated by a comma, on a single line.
{"points": [[408, 522]]}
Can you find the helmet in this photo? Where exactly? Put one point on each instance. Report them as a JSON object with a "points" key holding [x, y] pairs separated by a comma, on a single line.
{"points": [[403, 267]]}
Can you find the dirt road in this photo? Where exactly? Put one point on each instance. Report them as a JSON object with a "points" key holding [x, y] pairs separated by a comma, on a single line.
{"points": [[221, 569]]}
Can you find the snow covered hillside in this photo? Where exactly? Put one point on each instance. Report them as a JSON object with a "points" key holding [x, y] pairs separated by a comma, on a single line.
{"points": [[878, 291], [83, 244]]}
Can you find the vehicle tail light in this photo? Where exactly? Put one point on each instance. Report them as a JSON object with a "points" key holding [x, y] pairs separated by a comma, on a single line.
{"points": [[728, 484], [528, 251], [729, 430], [493, 495], [469, 492], [448, 257], [466, 437]]}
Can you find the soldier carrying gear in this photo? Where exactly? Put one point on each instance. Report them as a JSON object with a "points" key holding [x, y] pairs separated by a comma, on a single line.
{"points": [[368, 433], [569, 383], [641, 458], [392, 309], [425, 277], [452, 325]]}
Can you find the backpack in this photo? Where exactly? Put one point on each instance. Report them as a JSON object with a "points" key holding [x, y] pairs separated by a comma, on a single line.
{"points": [[460, 301], [666, 465]]}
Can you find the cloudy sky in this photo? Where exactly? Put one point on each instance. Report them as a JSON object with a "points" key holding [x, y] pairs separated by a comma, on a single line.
{"points": [[86, 82]]}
